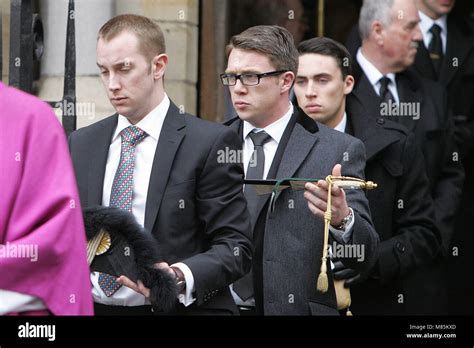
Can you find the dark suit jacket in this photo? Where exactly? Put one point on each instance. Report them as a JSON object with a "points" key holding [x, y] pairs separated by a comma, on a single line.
{"points": [[457, 75], [434, 134], [214, 221], [403, 216], [292, 239]]}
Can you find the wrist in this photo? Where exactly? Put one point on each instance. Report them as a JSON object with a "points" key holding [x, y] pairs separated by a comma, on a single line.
{"points": [[180, 279], [345, 221]]}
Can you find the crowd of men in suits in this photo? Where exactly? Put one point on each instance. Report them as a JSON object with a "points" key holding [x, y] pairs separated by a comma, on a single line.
{"points": [[395, 107]]}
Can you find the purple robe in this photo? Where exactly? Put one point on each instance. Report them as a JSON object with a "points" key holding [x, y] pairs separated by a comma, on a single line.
{"points": [[40, 209]]}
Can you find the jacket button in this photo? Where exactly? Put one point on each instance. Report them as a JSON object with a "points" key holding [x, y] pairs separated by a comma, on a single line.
{"points": [[380, 121], [400, 247]]}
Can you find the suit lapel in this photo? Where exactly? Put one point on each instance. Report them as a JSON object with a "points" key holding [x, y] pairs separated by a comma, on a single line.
{"points": [[171, 135], [424, 64], [98, 161], [408, 92], [360, 125], [365, 93], [299, 145], [374, 136], [237, 125]]}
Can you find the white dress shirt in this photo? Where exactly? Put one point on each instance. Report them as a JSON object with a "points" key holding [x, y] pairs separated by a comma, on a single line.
{"points": [[341, 127], [144, 156], [426, 24], [374, 75], [275, 130]]}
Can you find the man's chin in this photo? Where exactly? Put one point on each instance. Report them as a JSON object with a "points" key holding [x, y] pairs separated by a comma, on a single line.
{"points": [[123, 111], [315, 116], [246, 116]]}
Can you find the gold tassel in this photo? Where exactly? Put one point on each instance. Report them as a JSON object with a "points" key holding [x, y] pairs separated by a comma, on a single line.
{"points": [[323, 279], [322, 283]]}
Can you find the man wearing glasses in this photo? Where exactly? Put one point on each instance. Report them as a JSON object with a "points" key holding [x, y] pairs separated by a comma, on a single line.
{"points": [[283, 142]]}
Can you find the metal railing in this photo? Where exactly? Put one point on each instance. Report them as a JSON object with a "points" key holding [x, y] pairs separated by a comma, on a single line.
{"points": [[26, 48]]}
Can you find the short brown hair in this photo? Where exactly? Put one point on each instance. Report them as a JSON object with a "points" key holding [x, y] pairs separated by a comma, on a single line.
{"points": [[150, 37], [271, 40]]}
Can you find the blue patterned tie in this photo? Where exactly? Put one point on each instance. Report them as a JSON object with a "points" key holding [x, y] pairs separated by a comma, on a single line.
{"points": [[122, 190]]}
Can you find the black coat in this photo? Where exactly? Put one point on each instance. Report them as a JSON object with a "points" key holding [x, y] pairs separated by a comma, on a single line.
{"points": [[403, 216], [434, 134], [457, 75]]}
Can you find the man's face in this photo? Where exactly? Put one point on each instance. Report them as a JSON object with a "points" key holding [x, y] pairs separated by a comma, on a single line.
{"points": [[435, 8], [320, 88], [127, 75], [255, 104], [402, 36]]}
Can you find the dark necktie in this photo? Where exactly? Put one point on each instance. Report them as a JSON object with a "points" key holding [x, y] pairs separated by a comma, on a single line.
{"points": [[122, 190], [244, 286], [436, 48], [255, 168], [385, 93]]}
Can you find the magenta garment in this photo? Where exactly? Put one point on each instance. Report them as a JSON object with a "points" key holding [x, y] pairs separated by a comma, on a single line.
{"points": [[39, 206]]}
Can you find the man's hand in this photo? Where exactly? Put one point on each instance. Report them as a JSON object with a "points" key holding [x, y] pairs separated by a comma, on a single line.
{"points": [[341, 272], [138, 286], [317, 195]]}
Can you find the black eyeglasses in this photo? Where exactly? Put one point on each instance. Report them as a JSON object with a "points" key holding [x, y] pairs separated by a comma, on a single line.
{"points": [[247, 79]]}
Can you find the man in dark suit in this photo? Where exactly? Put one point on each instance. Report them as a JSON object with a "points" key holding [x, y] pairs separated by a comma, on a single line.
{"points": [[387, 88], [447, 55], [402, 207], [262, 63], [163, 166]]}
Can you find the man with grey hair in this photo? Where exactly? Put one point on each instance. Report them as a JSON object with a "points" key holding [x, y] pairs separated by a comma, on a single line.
{"points": [[288, 240], [390, 38]]}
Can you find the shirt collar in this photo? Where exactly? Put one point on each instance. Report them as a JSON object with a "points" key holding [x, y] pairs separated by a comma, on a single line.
{"points": [[275, 129], [151, 123], [427, 22], [341, 127], [372, 73]]}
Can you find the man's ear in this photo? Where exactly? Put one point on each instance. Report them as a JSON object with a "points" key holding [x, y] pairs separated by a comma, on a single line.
{"points": [[348, 84], [377, 32], [159, 66], [287, 81]]}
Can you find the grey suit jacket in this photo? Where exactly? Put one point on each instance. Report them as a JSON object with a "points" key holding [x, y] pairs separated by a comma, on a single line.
{"points": [[293, 237]]}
